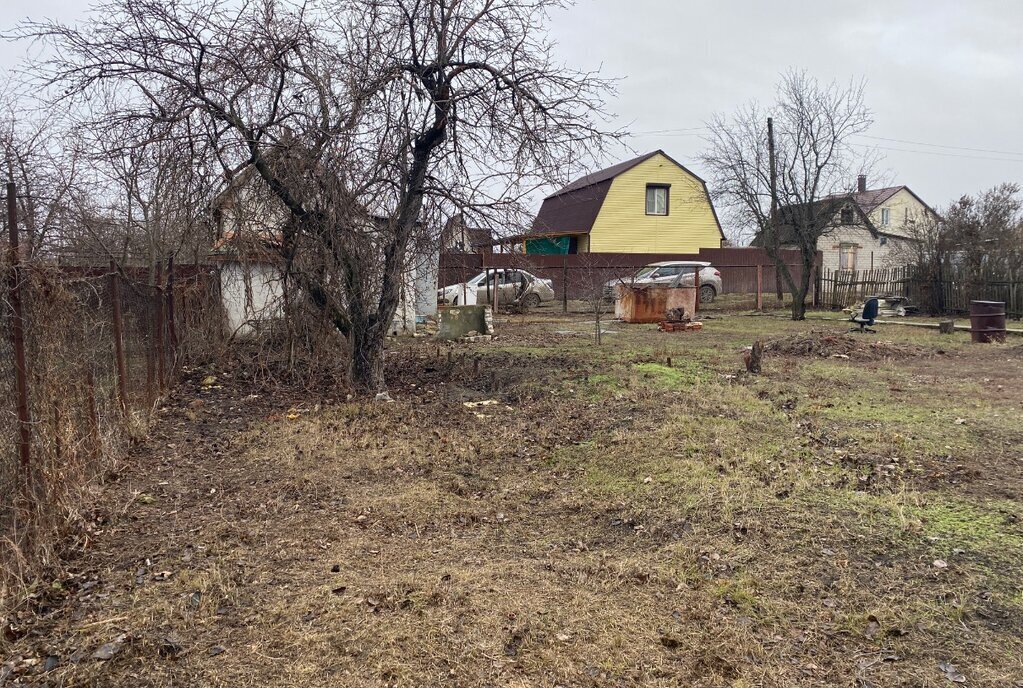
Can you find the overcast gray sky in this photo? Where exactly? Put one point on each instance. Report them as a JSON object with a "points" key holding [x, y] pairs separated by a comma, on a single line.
{"points": [[946, 73], [944, 76]]}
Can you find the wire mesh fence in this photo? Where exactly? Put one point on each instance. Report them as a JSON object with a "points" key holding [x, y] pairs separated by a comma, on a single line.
{"points": [[87, 396]]}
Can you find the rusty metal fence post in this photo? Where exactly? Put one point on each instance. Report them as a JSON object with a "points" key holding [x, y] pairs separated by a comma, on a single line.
{"points": [[115, 302], [172, 332], [18, 338], [90, 401], [760, 287], [564, 285], [158, 342], [696, 284]]}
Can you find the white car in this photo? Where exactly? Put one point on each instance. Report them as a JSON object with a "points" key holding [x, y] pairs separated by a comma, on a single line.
{"points": [[510, 283], [668, 272]]}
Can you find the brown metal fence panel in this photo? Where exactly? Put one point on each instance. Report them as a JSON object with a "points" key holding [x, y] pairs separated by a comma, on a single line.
{"points": [[738, 267]]}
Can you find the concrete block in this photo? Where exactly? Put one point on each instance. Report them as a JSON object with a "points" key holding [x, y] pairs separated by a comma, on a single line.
{"points": [[457, 322]]}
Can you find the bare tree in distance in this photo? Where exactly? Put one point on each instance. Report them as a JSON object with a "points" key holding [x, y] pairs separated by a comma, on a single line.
{"points": [[358, 116], [973, 235], [815, 164], [596, 286], [47, 169]]}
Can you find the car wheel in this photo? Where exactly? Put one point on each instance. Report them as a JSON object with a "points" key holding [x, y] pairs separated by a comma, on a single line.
{"points": [[707, 294], [532, 300]]}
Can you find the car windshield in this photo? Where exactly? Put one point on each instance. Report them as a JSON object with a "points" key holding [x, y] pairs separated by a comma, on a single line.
{"points": [[645, 272]]}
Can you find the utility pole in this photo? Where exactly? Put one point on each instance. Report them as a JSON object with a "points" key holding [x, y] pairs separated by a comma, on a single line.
{"points": [[773, 233]]}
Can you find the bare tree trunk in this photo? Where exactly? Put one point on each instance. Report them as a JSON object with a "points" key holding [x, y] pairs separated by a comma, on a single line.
{"points": [[368, 357], [800, 291]]}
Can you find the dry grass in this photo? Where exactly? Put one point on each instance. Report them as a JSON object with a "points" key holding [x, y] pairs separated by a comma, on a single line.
{"points": [[613, 520]]}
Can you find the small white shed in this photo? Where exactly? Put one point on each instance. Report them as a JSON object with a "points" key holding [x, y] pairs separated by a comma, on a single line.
{"points": [[251, 284]]}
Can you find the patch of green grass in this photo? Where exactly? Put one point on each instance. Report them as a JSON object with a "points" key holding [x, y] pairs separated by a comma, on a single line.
{"points": [[832, 371], [606, 481], [602, 385], [740, 592], [983, 526], [684, 372]]}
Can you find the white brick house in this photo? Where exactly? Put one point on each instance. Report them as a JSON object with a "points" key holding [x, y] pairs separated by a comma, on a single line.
{"points": [[872, 228]]}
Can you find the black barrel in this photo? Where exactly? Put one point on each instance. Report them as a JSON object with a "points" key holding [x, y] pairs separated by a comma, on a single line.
{"points": [[987, 321]]}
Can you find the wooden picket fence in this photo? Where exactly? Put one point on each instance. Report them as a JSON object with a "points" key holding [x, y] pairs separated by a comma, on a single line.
{"points": [[948, 293]]}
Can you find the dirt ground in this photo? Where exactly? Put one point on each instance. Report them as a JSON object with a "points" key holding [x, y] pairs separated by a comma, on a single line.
{"points": [[541, 511]]}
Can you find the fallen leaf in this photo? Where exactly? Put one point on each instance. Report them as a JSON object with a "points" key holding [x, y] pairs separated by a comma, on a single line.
{"points": [[940, 564], [108, 650], [951, 672], [170, 646], [873, 627]]}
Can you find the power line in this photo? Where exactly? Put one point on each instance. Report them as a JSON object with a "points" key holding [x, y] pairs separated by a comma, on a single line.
{"points": [[688, 131], [939, 145], [938, 153], [669, 131]]}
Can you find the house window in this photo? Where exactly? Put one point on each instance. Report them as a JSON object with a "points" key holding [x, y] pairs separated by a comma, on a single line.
{"points": [[847, 216], [847, 256], [886, 217], [657, 199]]}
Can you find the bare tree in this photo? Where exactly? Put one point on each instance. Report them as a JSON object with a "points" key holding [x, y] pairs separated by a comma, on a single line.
{"points": [[814, 167], [46, 166], [973, 235], [357, 115], [986, 231]]}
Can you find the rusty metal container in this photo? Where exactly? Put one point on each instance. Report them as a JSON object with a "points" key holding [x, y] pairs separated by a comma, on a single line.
{"points": [[648, 304], [987, 321]]}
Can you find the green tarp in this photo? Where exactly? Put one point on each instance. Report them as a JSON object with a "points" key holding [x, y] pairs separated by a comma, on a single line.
{"points": [[548, 245]]}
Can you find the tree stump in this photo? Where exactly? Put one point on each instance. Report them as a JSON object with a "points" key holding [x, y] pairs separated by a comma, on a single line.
{"points": [[753, 356]]}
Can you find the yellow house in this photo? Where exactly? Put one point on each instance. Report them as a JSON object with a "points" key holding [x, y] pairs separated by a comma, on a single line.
{"points": [[650, 204]]}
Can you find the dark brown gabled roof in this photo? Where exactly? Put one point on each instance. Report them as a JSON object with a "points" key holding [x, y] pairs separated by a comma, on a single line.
{"points": [[572, 212], [574, 208], [606, 174]]}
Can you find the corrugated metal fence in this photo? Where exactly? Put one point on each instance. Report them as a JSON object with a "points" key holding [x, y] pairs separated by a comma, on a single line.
{"points": [[742, 269]]}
